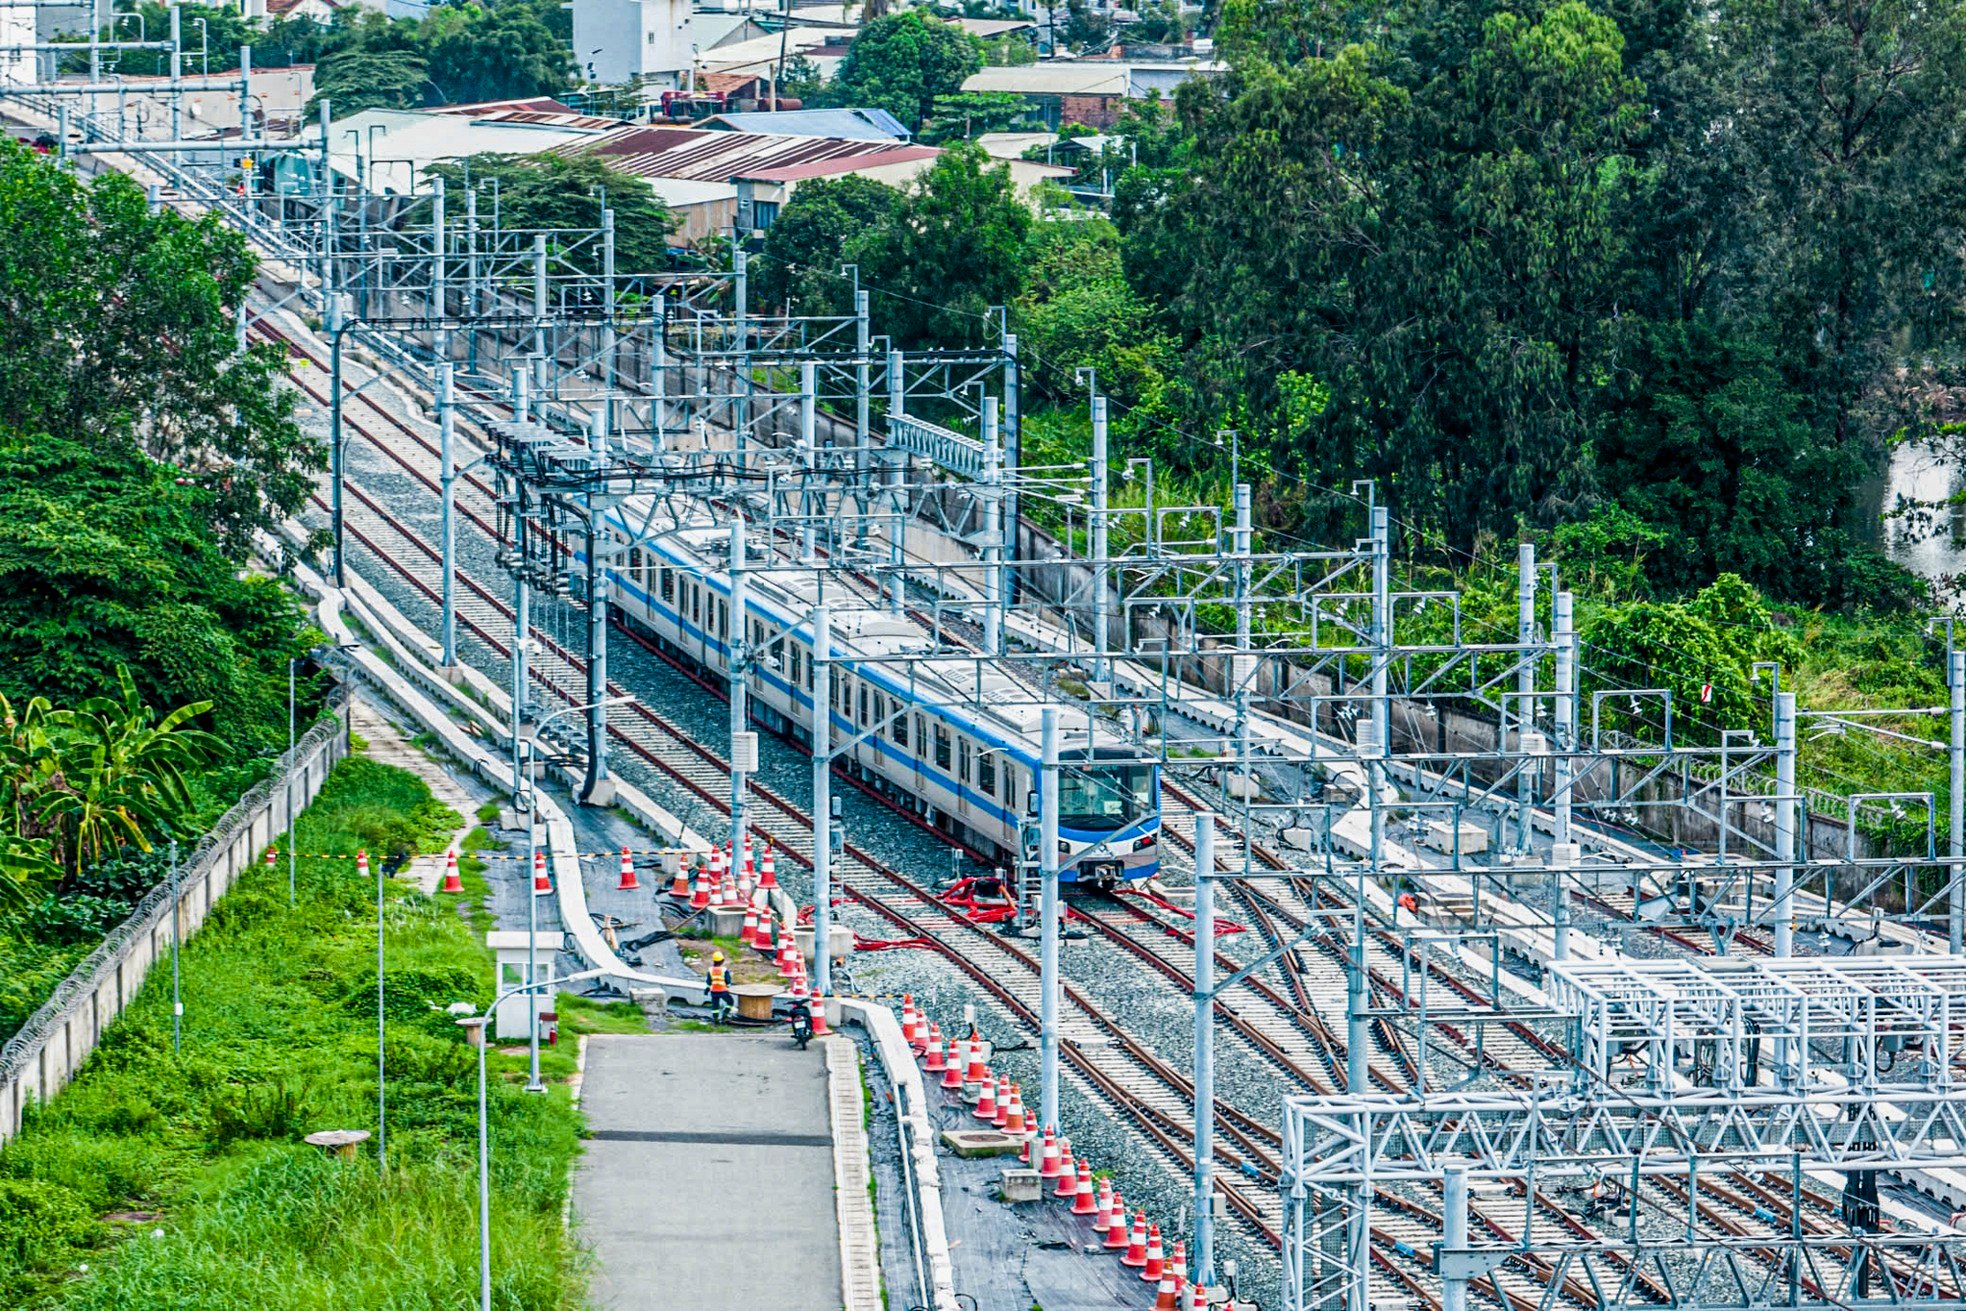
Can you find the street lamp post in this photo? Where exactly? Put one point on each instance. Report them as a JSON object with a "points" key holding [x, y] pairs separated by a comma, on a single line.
{"points": [[477, 1023], [530, 785], [177, 1003]]}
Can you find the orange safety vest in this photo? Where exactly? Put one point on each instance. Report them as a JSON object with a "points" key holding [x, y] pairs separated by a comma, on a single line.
{"points": [[719, 978]]}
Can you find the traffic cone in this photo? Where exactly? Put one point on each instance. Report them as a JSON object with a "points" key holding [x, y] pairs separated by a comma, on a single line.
{"points": [[362, 864], [819, 1029], [700, 898], [931, 1033], [1068, 1171], [1116, 1231], [785, 948], [747, 867], [975, 1073], [768, 872], [1014, 1121], [451, 881], [1167, 1297], [1136, 1243], [934, 1064], [679, 886], [1002, 1118], [1048, 1155], [952, 1078], [1197, 1298], [986, 1102], [271, 852], [1156, 1257], [748, 935], [909, 1021], [1084, 1202], [800, 988], [727, 891], [744, 889], [628, 881], [1102, 1216], [541, 885], [1178, 1262]]}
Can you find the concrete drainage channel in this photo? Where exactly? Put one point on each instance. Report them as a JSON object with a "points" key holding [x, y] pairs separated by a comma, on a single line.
{"points": [[417, 689]]}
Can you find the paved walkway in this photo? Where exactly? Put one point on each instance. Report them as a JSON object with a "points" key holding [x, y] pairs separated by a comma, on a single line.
{"points": [[709, 1179]]}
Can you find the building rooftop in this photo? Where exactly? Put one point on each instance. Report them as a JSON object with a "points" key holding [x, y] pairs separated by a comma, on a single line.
{"points": [[1088, 77], [407, 141], [846, 124], [719, 156]]}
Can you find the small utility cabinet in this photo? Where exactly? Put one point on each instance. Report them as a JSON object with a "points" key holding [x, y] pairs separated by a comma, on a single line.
{"points": [[509, 946]]}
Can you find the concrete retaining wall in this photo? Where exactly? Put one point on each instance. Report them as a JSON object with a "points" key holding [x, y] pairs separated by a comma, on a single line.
{"points": [[42, 1058]]}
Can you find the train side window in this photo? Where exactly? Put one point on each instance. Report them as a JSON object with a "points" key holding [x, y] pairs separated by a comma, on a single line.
{"points": [[962, 759], [1010, 784], [921, 737], [695, 604], [941, 747], [986, 773], [795, 664], [899, 731], [667, 582]]}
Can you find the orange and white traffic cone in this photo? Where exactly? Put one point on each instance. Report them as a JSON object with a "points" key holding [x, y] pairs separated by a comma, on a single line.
{"points": [[768, 872], [952, 1078], [271, 852], [986, 1101], [452, 883], [1178, 1261], [786, 946], [934, 1064], [1136, 1243], [1084, 1202], [1197, 1297], [748, 868], [1102, 1215], [362, 864], [1048, 1163], [931, 1034], [1156, 1256], [1014, 1121], [1167, 1297], [748, 935], [819, 1029], [541, 884], [744, 897], [679, 886], [1002, 1118], [727, 891], [699, 898], [800, 985], [1116, 1233], [1068, 1171], [628, 880], [909, 1021], [975, 1073]]}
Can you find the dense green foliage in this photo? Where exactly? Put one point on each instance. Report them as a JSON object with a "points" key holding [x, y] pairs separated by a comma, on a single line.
{"points": [[933, 259], [118, 333], [1550, 256], [205, 1145], [901, 63], [553, 191], [457, 53]]}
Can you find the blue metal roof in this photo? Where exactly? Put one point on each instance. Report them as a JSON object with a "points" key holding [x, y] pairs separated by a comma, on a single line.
{"points": [[850, 124]]}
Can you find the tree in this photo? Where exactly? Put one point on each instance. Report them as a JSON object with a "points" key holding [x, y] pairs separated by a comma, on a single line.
{"points": [[952, 250], [358, 78], [500, 53], [1086, 29], [107, 564], [902, 62], [804, 247], [118, 330], [968, 114], [555, 191]]}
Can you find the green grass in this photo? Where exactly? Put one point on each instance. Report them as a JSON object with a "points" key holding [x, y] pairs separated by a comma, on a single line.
{"points": [[279, 1041], [585, 1015]]}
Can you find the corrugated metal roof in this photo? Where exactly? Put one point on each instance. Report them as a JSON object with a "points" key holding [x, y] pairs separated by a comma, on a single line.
{"points": [[672, 152], [819, 168], [847, 124]]}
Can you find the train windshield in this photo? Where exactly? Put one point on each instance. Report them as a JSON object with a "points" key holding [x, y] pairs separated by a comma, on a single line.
{"points": [[1104, 797]]}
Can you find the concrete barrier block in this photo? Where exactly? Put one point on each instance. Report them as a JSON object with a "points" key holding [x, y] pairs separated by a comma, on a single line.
{"points": [[1020, 1184]]}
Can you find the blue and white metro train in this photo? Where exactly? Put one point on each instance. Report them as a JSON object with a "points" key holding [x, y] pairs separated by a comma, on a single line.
{"points": [[958, 742]]}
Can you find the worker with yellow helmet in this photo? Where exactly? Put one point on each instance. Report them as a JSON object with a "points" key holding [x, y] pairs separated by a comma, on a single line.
{"points": [[716, 984]]}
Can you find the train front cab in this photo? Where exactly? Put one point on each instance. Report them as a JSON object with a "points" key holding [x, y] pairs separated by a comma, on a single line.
{"points": [[1108, 818]]}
